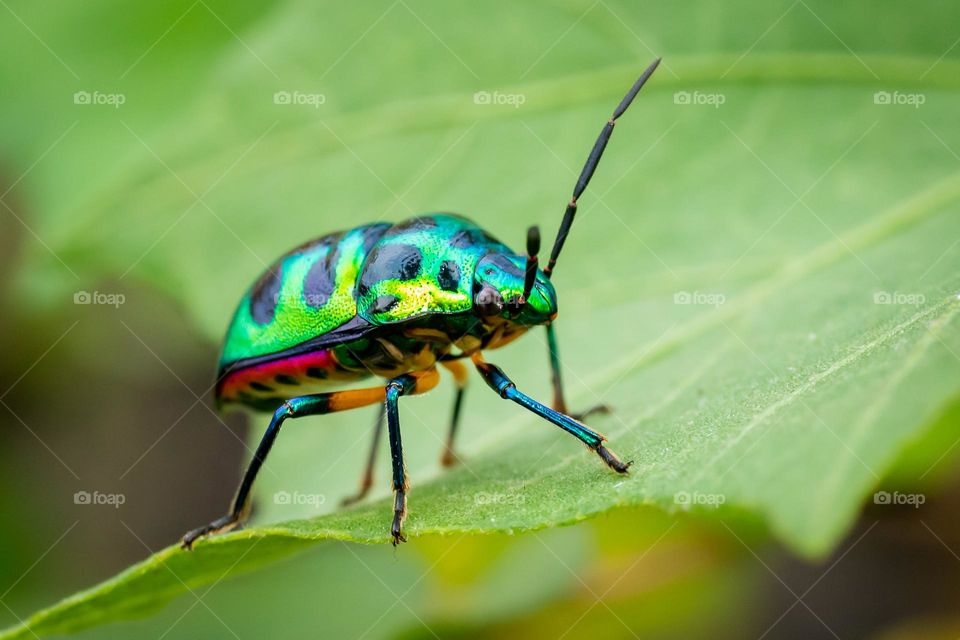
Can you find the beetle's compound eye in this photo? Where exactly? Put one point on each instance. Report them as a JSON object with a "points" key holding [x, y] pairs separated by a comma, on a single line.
{"points": [[489, 302]]}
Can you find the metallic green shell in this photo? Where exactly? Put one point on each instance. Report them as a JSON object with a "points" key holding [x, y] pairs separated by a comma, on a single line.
{"points": [[384, 274], [423, 266], [306, 293]]}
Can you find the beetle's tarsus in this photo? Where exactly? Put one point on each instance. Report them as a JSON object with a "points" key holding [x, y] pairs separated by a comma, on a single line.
{"points": [[354, 499], [612, 461], [449, 458], [365, 485], [595, 409], [399, 515], [221, 525]]}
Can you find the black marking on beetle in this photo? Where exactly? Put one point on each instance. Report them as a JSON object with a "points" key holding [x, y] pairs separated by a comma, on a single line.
{"points": [[317, 372], [323, 241], [265, 295], [283, 378], [259, 386], [449, 275], [414, 224], [372, 234], [384, 303], [321, 279], [464, 239], [390, 262], [504, 264]]}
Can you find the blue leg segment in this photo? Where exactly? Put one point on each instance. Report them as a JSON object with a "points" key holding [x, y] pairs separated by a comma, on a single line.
{"points": [[294, 408], [409, 384], [396, 388], [497, 380]]}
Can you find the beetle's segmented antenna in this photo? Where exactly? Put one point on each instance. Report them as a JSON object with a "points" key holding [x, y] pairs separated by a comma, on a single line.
{"points": [[533, 248], [591, 165]]}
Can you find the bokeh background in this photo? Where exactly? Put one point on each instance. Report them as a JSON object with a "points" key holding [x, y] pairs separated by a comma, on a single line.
{"points": [[156, 156]]}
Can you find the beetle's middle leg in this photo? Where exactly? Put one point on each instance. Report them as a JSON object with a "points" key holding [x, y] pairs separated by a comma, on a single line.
{"points": [[459, 371], [366, 481], [294, 408], [497, 380], [408, 384], [556, 380]]}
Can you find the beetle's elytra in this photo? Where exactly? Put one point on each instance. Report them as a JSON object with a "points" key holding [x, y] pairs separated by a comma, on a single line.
{"points": [[394, 301]]}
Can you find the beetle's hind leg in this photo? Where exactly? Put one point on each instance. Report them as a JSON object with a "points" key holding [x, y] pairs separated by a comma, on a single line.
{"points": [[556, 381], [295, 408], [366, 481], [459, 371], [499, 382]]}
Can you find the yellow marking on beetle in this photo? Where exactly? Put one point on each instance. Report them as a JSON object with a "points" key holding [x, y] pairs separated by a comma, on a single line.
{"points": [[430, 335], [426, 380], [355, 398], [458, 370], [391, 349]]}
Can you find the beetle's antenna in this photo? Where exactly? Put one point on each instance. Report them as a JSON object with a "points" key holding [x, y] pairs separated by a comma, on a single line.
{"points": [[591, 165], [533, 248]]}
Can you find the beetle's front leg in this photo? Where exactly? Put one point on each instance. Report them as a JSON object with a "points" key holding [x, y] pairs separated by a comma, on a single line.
{"points": [[497, 380], [559, 402]]}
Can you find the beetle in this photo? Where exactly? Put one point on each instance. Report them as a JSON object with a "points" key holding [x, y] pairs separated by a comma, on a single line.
{"points": [[394, 301]]}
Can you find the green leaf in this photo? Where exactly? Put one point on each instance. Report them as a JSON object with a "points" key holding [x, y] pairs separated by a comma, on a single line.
{"points": [[764, 289]]}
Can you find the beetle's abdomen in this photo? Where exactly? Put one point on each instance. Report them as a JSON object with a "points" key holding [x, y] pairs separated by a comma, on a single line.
{"points": [[308, 292], [267, 384]]}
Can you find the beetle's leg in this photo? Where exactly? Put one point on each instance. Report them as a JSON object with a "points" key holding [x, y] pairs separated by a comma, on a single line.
{"points": [[559, 402], [459, 371], [409, 384], [366, 481], [499, 382], [295, 408]]}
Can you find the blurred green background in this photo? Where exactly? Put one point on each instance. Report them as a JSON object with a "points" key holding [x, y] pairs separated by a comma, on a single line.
{"points": [[163, 153]]}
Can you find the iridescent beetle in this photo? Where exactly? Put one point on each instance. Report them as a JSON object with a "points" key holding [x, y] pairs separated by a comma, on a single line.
{"points": [[394, 301]]}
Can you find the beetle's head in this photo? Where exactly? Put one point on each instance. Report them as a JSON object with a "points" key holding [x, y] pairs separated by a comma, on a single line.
{"points": [[498, 291]]}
